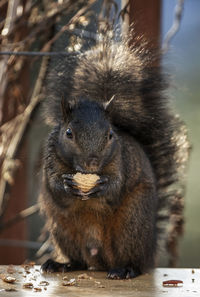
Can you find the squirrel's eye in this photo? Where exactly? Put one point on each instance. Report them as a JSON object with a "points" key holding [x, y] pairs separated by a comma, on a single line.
{"points": [[110, 134], [69, 133]]}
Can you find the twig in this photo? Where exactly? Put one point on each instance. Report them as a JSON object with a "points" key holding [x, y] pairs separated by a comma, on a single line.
{"points": [[45, 247], [17, 138], [9, 21], [124, 11], [81, 33], [50, 15], [3, 2], [178, 12], [22, 243], [107, 8], [48, 54], [20, 20], [20, 216], [73, 20]]}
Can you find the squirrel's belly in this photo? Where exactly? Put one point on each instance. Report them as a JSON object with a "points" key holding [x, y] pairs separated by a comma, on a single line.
{"points": [[92, 246], [81, 238]]}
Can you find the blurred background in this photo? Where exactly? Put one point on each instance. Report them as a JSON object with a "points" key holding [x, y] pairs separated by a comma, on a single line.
{"points": [[34, 24], [183, 62]]}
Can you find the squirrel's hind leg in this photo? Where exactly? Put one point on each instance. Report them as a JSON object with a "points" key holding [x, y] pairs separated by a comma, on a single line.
{"points": [[122, 273], [53, 266]]}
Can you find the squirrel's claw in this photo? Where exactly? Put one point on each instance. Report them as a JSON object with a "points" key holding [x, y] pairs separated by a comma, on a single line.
{"points": [[71, 186], [53, 266], [73, 191], [101, 180], [96, 190], [100, 186], [67, 176], [69, 182], [122, 273]]}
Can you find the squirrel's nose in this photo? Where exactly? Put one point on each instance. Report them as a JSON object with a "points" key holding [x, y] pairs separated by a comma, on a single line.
{"points": [[92, 161]]}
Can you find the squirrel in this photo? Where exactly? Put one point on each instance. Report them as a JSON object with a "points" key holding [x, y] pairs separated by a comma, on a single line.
{"points": [[110, 117]]}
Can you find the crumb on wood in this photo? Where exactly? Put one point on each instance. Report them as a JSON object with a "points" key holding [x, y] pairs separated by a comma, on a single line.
{"points": [[11, 290], [36, 289], [27, 286], [71, 282], [43, 283], [84, 276], [8, 279]]}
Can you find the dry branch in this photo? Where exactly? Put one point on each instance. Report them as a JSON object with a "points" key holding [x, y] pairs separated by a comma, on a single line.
{"points": [[8, 25], [12, 132], [7, 169], [73, 20], [20, 216], [178, 12]]}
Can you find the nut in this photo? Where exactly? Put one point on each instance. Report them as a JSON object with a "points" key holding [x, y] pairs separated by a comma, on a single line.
{"points": [[85, 182]]}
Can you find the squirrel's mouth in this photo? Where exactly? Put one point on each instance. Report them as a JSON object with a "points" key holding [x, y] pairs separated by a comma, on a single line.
{"points": [[90, 166], [87, 170]]}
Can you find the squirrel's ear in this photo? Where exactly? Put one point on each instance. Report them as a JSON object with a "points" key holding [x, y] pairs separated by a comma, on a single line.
{"points": [[63, 108], [67, 107], [108, 104]]}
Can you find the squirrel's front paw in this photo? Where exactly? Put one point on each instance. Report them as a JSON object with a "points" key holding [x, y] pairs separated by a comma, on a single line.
{"points": [[70, 185], [99, 188]]}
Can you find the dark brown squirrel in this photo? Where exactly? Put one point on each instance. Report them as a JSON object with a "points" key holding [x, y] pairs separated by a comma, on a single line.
{"points": [[111, 118]]}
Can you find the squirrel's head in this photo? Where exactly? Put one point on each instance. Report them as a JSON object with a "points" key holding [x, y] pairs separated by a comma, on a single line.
{"points": [[87, 140]]}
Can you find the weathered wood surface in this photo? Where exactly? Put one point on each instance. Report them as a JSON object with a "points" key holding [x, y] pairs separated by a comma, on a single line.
{"points": [[95, 283]]}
